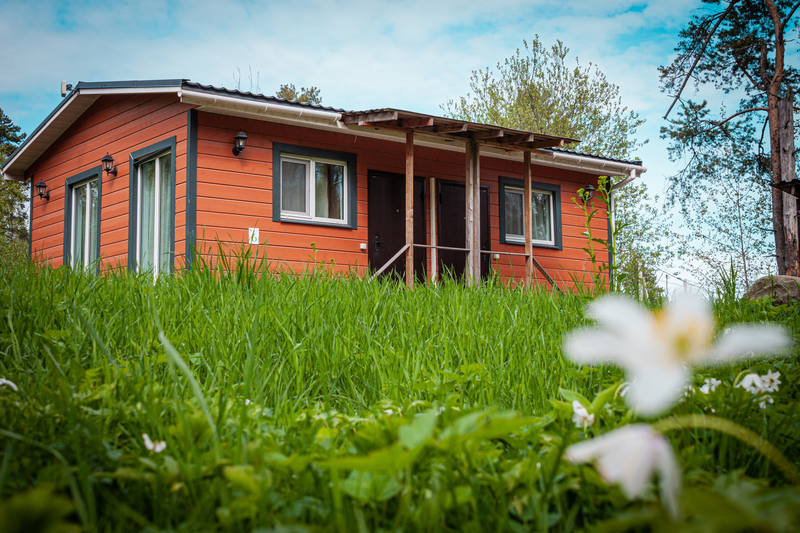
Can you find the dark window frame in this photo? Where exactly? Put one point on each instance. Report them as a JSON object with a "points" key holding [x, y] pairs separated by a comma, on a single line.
{"points": [[134, 160], [69, 183], [351, 222], [520, 184]]}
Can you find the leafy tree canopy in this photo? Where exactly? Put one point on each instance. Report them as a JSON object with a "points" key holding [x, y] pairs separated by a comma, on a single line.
{"points": [[537, 90], [13, 216]]}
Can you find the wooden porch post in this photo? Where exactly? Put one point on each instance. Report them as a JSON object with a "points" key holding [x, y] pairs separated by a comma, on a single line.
{"points": [[476, 212], [470, 215], [434, 255], [528, 218], [410, 209]]}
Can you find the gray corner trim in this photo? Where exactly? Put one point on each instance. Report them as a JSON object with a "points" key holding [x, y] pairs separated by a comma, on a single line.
{"points": [[134, 160], [520, 184], [352, 180], [30, 223], [191, 186], [69, 183]]}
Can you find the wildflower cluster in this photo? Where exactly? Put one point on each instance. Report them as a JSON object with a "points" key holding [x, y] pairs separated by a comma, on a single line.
{"points": [[657, 352]]}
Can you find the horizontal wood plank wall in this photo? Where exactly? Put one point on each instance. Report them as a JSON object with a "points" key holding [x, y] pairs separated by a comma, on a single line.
{"points": [[118, 125], [235, 193]]}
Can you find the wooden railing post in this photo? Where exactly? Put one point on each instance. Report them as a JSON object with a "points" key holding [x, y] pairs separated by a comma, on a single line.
{"points": [[476, 213], [527, 208], [434, 255], [470, 215], [410, 209]]}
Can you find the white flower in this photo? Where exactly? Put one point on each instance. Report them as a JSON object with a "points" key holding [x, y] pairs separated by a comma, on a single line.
{"points": [[657, 350], [629, 456], [752, 383], [771, 381], [247, 402], [156, 447], [710, 385], [9, 384], [581, 416], [688, 391], [765, 400]]}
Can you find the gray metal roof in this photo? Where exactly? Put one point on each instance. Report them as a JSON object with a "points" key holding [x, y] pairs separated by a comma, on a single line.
{"points": [[80, 98], [594, 156]]}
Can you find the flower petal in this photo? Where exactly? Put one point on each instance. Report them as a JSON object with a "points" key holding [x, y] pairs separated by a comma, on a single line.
{"points": [[746, 339], [669, 475], [620, 315], [595, 346], [656, 388]]}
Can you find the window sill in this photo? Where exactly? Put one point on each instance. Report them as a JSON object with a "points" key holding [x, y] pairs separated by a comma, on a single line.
{"points": [[534, 244], [311, 222]]}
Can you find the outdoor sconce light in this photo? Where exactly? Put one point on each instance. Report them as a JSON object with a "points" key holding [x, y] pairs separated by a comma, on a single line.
{"points": [[239, 142], [588, 193], [41, 190], [108, 165]]}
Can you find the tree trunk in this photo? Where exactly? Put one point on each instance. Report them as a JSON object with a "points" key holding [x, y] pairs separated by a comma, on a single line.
{"points": [[786, 133], [777, 195]]}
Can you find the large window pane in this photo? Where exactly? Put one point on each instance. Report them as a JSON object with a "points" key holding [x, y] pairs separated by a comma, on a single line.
{"points": [[514, 215], [542, 205], [165, 213], [79, 225], [293, 187], [329, 191], [93, 216], [147, 215]]}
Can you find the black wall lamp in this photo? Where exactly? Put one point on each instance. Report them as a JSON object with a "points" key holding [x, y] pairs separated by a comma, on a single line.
{"points": [[41, 190], [588, 193], [108, 165], [239, 143]]}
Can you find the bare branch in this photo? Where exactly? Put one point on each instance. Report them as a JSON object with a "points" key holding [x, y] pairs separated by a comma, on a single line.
{"points": [[699, 55], [718, 123], [789, 17]]}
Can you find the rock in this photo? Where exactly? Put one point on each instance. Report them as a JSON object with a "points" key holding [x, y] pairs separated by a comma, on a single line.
{"points": [[784, 289]]}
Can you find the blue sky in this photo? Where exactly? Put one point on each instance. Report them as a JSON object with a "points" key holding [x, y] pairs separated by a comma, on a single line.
{"points": [[362, 54]]}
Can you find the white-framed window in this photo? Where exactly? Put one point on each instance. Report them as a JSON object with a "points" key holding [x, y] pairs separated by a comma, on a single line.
{"points": [[83, 210], [155, 185], [314, 189], [543, 215]]}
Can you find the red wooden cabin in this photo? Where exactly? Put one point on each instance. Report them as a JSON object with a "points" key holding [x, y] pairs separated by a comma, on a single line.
{"points": [[306, 177]]}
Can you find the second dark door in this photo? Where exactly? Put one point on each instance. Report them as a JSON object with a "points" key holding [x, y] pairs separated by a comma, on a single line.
{"points": [[453, 228]]}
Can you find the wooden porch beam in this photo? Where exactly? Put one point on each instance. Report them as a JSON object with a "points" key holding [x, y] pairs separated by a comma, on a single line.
{"points": [[404, 124], [370, 117], [415, 122], [548, 143], [469, 161], [410, 209], [444, 128], [527, 209], [476, 210]]}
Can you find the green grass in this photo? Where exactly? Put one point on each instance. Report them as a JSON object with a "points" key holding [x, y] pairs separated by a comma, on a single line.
{"points": [[257, 381]]}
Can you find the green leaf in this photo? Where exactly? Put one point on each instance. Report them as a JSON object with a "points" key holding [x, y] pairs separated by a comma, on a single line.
{"points": [[366, 486], [392, 459], [602, 398], [571, 396], [419, 430]]}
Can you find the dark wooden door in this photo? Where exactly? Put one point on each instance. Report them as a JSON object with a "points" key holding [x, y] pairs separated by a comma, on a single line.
{"points": [[387, 223], [452, 217]]}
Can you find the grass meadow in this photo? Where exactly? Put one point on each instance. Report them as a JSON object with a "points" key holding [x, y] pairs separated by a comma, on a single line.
{"points": [[324, 402]]}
